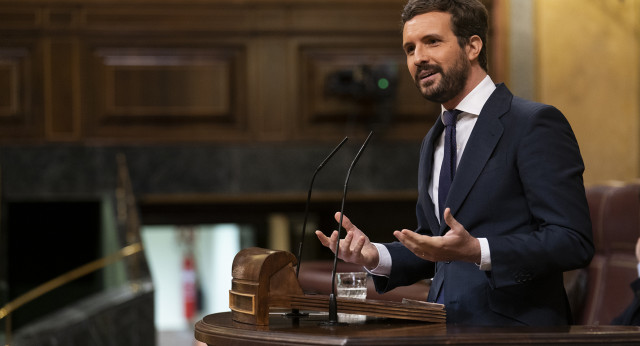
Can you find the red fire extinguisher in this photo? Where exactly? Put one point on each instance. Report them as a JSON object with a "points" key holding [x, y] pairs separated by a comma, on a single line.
{"points": [[189, 287]]}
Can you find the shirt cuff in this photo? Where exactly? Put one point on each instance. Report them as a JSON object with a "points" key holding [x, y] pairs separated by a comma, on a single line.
{"points": [[384, 261], [485, 255]]}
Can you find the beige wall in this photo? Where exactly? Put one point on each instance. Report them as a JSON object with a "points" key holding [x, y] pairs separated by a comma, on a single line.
{"points": [[588, 56]]}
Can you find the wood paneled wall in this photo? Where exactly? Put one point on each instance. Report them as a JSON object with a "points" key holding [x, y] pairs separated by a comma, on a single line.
{"points": [[201, 70]]}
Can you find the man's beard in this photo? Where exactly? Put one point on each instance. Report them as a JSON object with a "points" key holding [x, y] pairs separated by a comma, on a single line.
{"points": [[451, 83]]}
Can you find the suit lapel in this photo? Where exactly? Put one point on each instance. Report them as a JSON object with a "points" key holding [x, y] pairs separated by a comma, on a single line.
{"points": [[483, 140]]}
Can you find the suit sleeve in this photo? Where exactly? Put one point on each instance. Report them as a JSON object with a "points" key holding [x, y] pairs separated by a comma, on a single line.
{"points": [[550, 168]]}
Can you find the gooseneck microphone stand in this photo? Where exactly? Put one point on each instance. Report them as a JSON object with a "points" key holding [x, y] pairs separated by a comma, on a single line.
{"points": [[333, 304], [296, 312]]}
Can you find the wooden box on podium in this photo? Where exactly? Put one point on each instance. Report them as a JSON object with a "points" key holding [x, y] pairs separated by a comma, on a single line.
{"points": [[259, 277]]}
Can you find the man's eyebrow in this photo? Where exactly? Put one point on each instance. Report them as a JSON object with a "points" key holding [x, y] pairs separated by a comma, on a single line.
{"points": [[431, 36]]}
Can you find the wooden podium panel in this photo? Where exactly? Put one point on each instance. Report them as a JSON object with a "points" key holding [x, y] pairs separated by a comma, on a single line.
{"points": [[220, 329]]}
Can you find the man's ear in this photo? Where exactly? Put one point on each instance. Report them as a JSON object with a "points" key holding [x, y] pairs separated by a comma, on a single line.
{"points": [[474, 47]]}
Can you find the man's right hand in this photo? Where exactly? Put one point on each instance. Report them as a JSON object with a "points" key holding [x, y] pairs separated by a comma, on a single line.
{"points": [[354, 248]]}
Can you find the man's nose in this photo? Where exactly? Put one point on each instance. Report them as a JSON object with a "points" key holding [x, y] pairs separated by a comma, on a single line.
{"points": [[420, 55]]}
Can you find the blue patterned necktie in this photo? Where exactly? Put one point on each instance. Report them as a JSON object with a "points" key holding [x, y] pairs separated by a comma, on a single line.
{"points": [[448, 168]]}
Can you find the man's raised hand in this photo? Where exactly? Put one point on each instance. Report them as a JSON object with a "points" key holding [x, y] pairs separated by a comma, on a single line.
{"points": [[456, 245], [354, 248]]}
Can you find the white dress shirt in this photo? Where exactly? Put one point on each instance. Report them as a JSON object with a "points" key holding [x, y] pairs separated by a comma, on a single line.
{"points": [[470, 106]]}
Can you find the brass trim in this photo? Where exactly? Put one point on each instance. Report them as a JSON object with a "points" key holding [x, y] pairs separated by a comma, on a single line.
{"points": [[236, 309], [68, 277]]}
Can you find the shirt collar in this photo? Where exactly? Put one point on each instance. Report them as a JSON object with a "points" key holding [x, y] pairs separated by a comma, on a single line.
{"points": [[475, 100]]}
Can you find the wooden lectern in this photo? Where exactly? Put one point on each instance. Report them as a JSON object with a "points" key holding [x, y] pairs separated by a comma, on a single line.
{"points": [[264, 279]]}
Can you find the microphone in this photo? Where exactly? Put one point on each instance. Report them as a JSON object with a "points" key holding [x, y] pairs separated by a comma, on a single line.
{"points": [[306, 209], [296, 312], [333, 304]]}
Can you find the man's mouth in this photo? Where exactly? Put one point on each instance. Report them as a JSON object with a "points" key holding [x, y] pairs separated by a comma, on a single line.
{"points": [[425, 75]]}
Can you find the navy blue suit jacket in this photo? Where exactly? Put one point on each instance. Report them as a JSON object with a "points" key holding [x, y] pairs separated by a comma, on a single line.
{"points": [[518, 184]]}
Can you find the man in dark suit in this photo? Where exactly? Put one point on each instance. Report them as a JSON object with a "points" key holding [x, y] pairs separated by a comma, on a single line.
{"points": [[516, 214]]}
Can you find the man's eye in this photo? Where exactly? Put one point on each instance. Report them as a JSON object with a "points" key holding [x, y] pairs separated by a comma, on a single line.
{"points": [[409, 50]]}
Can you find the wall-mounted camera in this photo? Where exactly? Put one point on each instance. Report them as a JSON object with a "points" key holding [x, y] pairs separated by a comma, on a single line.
{"points": [[363, 83], [372, 88]]}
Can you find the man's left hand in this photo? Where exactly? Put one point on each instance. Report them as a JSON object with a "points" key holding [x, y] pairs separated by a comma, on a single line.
{"points": [[456, 245]]}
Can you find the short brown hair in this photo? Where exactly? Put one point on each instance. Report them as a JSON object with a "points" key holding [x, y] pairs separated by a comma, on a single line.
{"points": [[468, 18]]}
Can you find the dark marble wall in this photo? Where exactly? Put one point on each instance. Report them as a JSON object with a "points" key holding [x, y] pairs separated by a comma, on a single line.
{"points": [[62, 171]]}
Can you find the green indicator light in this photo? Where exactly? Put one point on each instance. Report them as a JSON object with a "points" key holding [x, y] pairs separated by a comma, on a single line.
{"points": [[383, 83]]}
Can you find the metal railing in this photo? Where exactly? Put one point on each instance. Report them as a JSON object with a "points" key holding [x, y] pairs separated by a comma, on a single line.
{"points": [[5, 311]]}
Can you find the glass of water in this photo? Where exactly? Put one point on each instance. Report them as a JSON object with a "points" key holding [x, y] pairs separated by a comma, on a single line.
{"points": [[352, 285]]}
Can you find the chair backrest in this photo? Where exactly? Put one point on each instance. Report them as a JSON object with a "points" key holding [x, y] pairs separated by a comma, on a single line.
{"points": [[615, 214]]}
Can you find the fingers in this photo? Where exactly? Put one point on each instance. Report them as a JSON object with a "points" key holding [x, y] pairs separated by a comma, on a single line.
{"points": [[323, 238], [334, 241], [406, 236], [329, 242], [346, 223], [357, 247], [423, 246], [410, 239], [351, 247]]}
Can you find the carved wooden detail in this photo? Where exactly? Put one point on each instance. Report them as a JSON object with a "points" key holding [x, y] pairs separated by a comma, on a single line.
{"points": [[19, 97], [12, 75], [134, 89], [62, 89]]}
